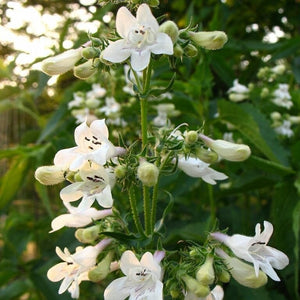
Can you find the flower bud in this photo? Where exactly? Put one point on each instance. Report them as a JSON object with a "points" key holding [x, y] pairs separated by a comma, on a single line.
{"points": [[227, 150], [244, 273], [92, 103], [275, 116], [85, 70], [101, 271], [237, 97], [120, 171], [294, 119], [90, 52], [206, 155], [190, 50], [211, 40], [178, 51], [49, 175], [147, 173], [265, 92], [224, 276], [191, 137], [153, 3], [195, 287], [171, 29], [279, 70], [87, 235], [206, 274], [61, 63]]}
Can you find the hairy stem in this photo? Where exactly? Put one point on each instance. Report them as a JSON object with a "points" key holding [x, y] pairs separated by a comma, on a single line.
{"points": [[134, 210]]}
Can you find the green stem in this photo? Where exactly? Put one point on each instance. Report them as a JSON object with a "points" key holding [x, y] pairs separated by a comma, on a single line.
{"points": [[213, 209], [147, 212], [144, 123], [154, 206], [134, 211]]}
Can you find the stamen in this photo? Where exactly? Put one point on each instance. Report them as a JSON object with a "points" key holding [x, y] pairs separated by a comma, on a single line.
{"points": [[258, 243], [91, 147], [87, 139]]}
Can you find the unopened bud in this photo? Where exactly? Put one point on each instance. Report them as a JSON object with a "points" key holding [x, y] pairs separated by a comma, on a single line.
{"points": [[101, 271], [92, 103], [224, 276], [294, 119], [171, 29], [153, 3], [206, 274], [147, 173], [264, 92], [279, 70], [191, 137], [195, 287], [90, 52], [227, 150], [87, 235], [120, 171], [61, 63], [237, 97], [85, 70], [211, 40], [178, 51], [49, 175], [190, 50], [206, 155], [275, 116]]}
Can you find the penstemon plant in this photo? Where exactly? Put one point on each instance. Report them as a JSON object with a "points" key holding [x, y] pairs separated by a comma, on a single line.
{"points": [[124, 240]]}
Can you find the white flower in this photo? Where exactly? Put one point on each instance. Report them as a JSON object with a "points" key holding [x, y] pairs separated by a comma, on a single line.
{"points": [[77, 101], [112, 107], [75, 267], [96, 92], [195, 167], [285, 129], [282, 96], [255, 250], [92, 144], [96, 185], [140, 38], [78, 217], [238, 92], [216, 294], [142, 280]]}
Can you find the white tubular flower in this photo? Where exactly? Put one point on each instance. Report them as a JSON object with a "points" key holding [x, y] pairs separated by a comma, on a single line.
{"points": [[61, 63], [216, 294], [255, 250], [92, 144], [195, 167], [142, 280], [96, 185], [78, 217], [238, 92], [285, 129], [140, 38], [75, 267], [227, 150], [282, 96]]}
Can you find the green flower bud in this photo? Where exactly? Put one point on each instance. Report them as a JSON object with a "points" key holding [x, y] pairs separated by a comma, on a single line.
{"points": [[120, 171], [147, 173], [85, 70], [190, 50], [294, 119], [191, 137], [227, 150], [153, 3], [87, 235], [264, 92], [96, 42], [275, 116], [92, 103], [61, 63], [237, 97], [206, 274], [101, 271], [171, 29], [224, 276], [90, 52], [211, 40], [206, 155], [49, 175], [195, 287], [178, 51]]}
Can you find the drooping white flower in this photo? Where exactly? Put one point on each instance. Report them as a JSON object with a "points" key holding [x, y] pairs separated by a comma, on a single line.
{"points": [[96, 92], [78, 218], [111, 108], [92, 145], [140, 37], [285, 129], [255, 250], [216, 294], [75, 267], [238, 92], [195, 167], [282, 96], [96, 185], [77, 101], [142, 280]]}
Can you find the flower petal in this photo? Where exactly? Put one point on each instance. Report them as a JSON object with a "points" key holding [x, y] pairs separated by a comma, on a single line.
{"points": [[124, 21], [99, 128], [148, 261], [105, 198], [71, 192], [157, 293], [144, 17], [128, 261], [80, 133], [140, 59], [163, 44], [116, 52], [117, 290], [64, 157], [65, 284], [57, 272]]}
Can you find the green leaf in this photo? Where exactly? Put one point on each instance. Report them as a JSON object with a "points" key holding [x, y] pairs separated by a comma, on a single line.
{"points": [[14, 289], [13, 180]]}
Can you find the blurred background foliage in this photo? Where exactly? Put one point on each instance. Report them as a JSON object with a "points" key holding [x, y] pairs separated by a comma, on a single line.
{"points": [[35, 123]]}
